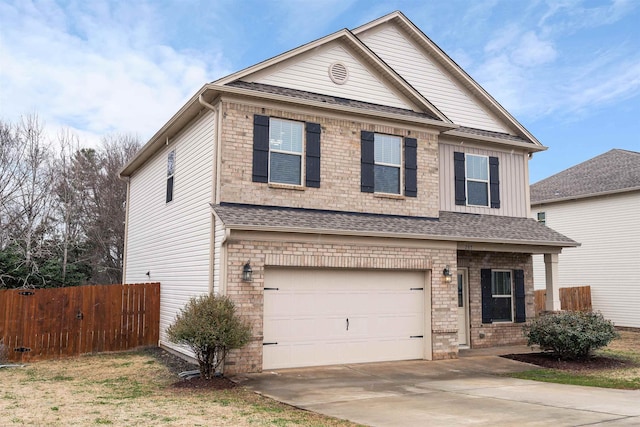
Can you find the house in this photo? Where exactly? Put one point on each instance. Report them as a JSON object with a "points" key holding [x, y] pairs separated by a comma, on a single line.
{"points": [[597, 203], [374, 194]]}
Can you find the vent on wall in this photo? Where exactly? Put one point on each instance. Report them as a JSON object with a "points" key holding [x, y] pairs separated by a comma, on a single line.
{"points": [[338, 73]]}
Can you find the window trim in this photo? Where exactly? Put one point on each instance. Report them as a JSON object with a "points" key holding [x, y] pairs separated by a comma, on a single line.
{"points": [[400, 165], [301, 154], [511, 296], [487, 182], [541, 217]]}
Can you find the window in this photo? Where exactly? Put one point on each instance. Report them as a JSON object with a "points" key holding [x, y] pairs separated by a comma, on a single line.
{"points": [[542, 218], [383, 158], [477, 180], [387, 159], [501, 294], [279, 154], [171, 163], [285, 152], [477, 174]]}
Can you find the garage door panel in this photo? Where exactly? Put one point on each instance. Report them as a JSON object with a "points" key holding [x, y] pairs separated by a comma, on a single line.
{"points": [[307, 316]]}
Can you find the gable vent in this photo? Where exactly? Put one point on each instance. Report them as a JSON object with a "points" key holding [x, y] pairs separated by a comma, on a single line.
{"points": [[338, 73]]}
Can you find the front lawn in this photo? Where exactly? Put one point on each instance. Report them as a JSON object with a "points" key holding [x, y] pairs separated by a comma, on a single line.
{"points": [[616, 366], [132, 389]]}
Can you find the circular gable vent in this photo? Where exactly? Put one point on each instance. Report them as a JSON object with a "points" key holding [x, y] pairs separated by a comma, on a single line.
{"points": [[338, 73]]}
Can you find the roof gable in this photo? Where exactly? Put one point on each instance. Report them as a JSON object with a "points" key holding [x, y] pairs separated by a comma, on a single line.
{"points": [[444, 83], [307, 68], [615, 171]]}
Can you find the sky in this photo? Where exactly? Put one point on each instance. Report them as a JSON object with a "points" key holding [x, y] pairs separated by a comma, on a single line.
{"points": [[568, 70]]}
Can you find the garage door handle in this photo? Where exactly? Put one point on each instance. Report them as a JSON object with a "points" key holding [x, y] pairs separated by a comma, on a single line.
{"points": [[347, 323], [269, 343]]}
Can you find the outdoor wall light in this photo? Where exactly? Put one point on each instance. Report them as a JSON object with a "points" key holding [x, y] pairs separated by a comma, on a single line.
{"points": [[247, 273], [447, 274]]}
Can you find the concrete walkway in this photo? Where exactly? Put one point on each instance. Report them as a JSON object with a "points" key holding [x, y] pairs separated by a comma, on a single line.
{"points": [[464, 392]]}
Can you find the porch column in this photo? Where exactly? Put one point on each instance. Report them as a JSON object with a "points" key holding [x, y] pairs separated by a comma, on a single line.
{"points": [[552, 302]]}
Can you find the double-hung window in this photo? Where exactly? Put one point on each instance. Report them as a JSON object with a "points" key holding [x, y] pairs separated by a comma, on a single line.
{"points": [[388, 161], [503, 295], [285, 151], [501, 292], [477, 180], [388, 164]]}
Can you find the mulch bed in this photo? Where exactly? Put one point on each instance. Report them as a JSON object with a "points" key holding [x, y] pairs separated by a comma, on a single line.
{"points": [[595, 363], [176, 364]]}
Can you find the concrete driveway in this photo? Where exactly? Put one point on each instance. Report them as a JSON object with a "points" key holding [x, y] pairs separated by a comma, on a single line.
{"points": [[464, 392]]}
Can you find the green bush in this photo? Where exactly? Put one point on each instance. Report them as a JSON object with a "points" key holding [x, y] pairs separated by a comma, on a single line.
{"points": [[210, 327], [570, 334]]}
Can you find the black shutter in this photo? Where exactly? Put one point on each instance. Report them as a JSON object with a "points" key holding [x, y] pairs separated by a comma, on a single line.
{"points": [[313, 155], [458, 169], [366, 162], [494, 182], [521, 308], [410, 167], [169, 189], [487, 295], [260, 149]]}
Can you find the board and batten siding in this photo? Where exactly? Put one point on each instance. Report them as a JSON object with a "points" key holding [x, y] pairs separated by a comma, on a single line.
{"points": [[430, 79], [608, 260], [311, 74], [172, 240], [513, 180]]}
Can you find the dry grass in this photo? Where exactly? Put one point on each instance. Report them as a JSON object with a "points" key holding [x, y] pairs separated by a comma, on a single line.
{"points": [[131, 389], [628, 347]]}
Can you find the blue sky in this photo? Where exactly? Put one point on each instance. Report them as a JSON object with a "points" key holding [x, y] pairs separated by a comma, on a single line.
{"points": [[568, 70]]}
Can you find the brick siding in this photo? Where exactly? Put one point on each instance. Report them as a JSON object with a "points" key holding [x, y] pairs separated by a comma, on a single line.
{"points": [[496, 334], [248, 296], [339, 170]]}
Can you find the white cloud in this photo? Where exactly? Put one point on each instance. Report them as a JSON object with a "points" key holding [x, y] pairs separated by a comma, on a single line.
{"points": [[532, 51], [94, 67]]}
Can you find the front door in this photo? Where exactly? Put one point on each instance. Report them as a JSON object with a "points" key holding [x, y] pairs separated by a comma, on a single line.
{"points": [[463, 308]]}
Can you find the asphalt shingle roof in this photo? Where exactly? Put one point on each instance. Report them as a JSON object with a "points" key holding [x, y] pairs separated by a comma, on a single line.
{"points": [[310, 96], [449, 226], [492, 134], [615, 170]]}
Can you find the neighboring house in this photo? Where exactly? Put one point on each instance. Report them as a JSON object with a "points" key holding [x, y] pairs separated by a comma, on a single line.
{"points": [[377, 193], [597, 203]]}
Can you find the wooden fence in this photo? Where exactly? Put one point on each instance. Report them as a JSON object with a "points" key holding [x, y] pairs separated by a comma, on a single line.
{"points": [[575, 299], [38, 324]]}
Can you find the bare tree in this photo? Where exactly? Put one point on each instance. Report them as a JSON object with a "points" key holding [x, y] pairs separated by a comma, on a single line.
{"points": [[12, 174], [31, 219], [105, 205]]}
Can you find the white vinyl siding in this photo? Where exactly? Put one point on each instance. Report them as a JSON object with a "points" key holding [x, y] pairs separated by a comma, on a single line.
{"points": [[172, 241], [311, 73], [430, 79], [513, 180], [608, 228]]}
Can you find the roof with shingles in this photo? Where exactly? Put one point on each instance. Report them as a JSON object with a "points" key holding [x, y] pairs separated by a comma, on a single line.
{"points": [[449, 226], [614, 171], [334, 100]]}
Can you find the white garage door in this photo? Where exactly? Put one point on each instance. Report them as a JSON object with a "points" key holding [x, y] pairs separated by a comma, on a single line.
{"points": [[321, 317]]}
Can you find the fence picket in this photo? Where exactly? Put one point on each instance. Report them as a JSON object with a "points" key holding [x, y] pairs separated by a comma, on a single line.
{"points": [[63, 322]]}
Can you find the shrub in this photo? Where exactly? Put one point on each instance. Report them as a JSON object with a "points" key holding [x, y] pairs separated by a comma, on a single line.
{"points": [[570, 334], [210, 327]]}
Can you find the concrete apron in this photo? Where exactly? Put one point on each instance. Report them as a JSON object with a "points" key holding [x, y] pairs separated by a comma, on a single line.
{"points": [[465, 392]]}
